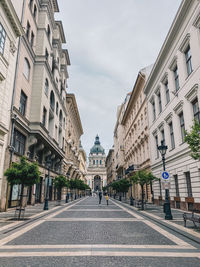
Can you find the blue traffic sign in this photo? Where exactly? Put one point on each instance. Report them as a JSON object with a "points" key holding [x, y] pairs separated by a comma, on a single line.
{"points": [[165, 175]]}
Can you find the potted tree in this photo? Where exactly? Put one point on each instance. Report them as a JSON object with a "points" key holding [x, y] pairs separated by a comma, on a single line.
{"points": [[22, 173], [60, 182], [142, 177]]}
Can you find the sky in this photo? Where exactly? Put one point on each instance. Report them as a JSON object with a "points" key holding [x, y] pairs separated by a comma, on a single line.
{"points": [[109, 41]]}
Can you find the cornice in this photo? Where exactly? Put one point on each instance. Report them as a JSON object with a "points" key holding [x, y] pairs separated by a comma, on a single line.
{"points": [[12, 16]]}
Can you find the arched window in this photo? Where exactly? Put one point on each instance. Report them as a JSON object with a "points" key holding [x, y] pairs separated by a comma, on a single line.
{"points": [[27, 68], [46, 87], [60, 117], [52, 100], [56, 108], [48, 32]]}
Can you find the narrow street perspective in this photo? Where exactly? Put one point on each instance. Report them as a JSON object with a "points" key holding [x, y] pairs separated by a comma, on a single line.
{"points": [[100, 133], [86, 233]]}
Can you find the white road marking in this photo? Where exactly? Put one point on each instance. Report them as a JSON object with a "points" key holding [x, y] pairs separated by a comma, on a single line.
{"points": [[116, 246], [93, 219], [100, 253]]}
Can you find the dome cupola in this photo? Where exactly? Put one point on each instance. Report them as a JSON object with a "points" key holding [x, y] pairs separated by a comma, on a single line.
{"points": [[97, 148]]}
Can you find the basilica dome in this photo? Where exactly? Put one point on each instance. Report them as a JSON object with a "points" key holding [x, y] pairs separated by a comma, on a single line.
{"points": [[97, 148]]}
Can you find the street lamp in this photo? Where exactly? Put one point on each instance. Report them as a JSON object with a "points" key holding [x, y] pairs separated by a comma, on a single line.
{"points": [[167, 209], [48, 164]]}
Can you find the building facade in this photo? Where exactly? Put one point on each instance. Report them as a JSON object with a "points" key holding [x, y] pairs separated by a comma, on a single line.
{"points": [[119, 160], [10, 30], [96, 171], [173, 97], [136, 133], [110, 166], [43, 115]]}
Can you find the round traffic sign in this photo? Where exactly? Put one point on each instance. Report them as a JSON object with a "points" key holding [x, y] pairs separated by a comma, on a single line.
{"points": [[165, 175]]}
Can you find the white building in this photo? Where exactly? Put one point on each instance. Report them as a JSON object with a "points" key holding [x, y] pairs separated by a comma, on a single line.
{"points": [[96, 171], [173, 97]]}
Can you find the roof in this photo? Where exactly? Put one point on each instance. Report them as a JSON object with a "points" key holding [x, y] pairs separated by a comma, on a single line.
{"points": [[97, 148]]}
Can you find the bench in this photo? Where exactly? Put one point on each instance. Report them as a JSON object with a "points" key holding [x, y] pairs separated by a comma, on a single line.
{"points": [[138, 203], [191, 217]]}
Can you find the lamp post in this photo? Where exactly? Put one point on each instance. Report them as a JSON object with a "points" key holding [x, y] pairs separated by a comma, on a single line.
{"points": [[48, 164], [167, 209]]}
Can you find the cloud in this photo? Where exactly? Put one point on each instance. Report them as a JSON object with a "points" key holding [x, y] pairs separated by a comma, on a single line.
{"points": [[109, 41]]}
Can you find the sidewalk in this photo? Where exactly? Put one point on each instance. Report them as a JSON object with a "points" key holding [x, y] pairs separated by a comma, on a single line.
{"points": [[157, 214], [31, 211]]}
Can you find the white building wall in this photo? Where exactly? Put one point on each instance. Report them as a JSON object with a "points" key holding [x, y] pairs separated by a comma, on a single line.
{"points": [[178, 160]]}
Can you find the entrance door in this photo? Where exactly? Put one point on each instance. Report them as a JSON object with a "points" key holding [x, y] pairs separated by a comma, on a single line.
{"points": [[38, 191], [97, 183]]}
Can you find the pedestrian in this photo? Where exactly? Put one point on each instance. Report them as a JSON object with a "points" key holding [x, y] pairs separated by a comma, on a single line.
{"points": [[100, 197], [107, 198]]}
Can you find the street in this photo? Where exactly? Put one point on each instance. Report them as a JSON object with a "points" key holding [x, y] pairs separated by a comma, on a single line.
{"points": [[84, 233]]}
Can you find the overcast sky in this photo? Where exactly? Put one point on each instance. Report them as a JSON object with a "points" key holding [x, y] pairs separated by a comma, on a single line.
{"points": [[109, 41]]}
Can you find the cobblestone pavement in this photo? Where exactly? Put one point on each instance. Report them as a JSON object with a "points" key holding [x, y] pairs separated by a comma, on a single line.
{"points": [[84, 233]]}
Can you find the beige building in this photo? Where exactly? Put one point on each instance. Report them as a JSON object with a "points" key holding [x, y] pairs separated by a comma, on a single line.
{"points": [[119, 160], [96, 171], [173, 97], [10, 30], [136, 133], [110, 166], [44, 117], [83, 164], [73, 133]]}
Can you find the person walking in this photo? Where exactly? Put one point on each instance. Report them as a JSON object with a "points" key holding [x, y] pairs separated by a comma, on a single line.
{"points": [[100, 197], [107, 198]]}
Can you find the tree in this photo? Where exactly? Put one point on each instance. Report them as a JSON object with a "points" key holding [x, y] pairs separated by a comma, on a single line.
{"points": [[193, 140], [143, 177], [60, 182], [23, 173], [121, 186]]}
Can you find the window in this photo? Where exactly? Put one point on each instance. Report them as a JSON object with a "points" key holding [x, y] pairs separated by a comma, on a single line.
{"points": [[31, 4], [57, 108], [97, 162], [167, 92], [159, 102], [19, 142], [176, 78], [163, 136], [171, 135], [154, 110], [188, 59], [189, 185], [100, 162], [46, 54], [32, 39], [157, 151], [46, 87], [60, 118], [44, 116], [28, 27], [2, 38], [52, 101], [182, 125], [35, 11], [48, 32], [176, 185], [26, 68], [22, 105], [196, 112], [93, 162]]}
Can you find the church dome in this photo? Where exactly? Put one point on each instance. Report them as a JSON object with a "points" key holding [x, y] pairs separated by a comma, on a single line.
{"points": [[97, 148]]}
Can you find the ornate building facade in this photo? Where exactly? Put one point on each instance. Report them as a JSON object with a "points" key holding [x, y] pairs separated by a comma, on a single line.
{"points": [[96, 172]]}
